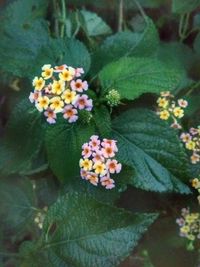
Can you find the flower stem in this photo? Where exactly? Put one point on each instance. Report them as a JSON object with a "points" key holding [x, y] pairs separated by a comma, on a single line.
{"points": [[63, 8]]}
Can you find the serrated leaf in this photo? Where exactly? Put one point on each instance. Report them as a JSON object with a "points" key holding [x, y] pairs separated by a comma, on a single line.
{"points": [[184, 54], [63, 145], [102, 120], [152, 149], [22, 46], [92, 24], [88, 233], [62, 51], [22, 11], [184, 6], [17, 204], [128, 44], [132, 77], [23, 139], [21, 35]]}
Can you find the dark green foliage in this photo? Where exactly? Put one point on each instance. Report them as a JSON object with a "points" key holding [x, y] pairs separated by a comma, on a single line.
{"points": [[63, 145], [152, 149]]}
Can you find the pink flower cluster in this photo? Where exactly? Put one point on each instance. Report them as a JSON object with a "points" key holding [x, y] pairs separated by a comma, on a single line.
{"points": [[59, 89], [98, 162]]}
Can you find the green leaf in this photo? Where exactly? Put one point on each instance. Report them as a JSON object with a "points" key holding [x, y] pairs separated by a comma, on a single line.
{"points": [[132, 77], [79, 231], [184, 6], [128, 44], [17, 203], [102, 121], [22, 12], [23, 138], [152, 149], [22, 46], [92, 24], [62, 51], [21, 35], [184, 55], [63, 145]]}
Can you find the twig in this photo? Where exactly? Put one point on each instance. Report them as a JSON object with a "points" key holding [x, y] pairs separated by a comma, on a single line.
{"points": [[120, 23]]}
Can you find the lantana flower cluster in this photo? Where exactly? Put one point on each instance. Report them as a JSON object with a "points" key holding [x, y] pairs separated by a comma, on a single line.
{"points": [[196, 185], [192, 143], [60, 90], [189, 224], [169, 109], [98, 163]]}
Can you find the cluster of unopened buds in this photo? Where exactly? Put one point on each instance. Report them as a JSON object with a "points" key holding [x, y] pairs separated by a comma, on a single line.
{"points": [[192, 143], [98, 163], [40, 216], [189, 224], [113, 98], [169, 109], [60, 90], [196, 185]]}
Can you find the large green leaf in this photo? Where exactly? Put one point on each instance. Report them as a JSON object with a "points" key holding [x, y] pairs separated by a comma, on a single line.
{"points": [[81, 232], [152, 149], [184, 55], [135, 76], [22, 12], [184, 6], [102, 120], [62, 51], [17, 204], [21, 35], [127, 43], [92, 24], [19, 47], [63, 145], [23, 138]]}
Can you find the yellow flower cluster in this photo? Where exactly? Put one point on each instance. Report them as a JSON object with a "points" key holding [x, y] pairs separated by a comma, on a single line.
{"points": [[170, 109], [60, 90], [192, 143], [189, 224], [196, 185]]}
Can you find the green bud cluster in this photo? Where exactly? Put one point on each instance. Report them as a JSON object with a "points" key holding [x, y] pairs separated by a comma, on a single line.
{"points": [[113, 98]]}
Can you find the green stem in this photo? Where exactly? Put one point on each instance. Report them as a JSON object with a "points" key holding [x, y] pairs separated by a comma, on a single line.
{"points": [[62, 31], [56, 24], [141, 10], [77, 25], [194, 86], [183, 26], [120, 24]]}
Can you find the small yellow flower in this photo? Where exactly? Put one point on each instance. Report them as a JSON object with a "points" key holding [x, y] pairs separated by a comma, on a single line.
{"points": [[196, 183], [86, 164], [47, 71], [100, 168], [190, 145], [178, 112], [42, 103], [67, 74], [185, 229], [162, 102], [38, 83], [68, 96], [164, 115], [56, 104], [58, 87]]}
